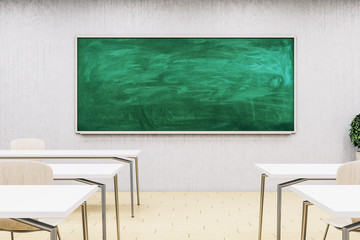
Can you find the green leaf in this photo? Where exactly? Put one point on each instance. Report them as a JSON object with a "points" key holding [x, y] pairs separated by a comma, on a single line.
{"points": [[354, 131]]}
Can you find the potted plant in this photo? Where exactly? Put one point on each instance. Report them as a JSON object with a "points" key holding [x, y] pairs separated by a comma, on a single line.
{"points": [[355, 134]]}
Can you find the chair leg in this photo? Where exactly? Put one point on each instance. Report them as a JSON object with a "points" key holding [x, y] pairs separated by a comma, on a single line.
{"points": [[58, 233], [326, 231]]}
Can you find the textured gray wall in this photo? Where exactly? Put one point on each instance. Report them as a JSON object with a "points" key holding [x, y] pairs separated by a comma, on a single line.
{"points": [[37, 82]]}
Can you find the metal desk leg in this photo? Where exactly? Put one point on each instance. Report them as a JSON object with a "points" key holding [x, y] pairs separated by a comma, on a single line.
{"points": [[131, 163], [116, 193], [306, 205], [85, 222], [103, 209], [137, 180], [261, 212], [103, 199], [345, 234], [279, 193], [132, 188], [347, 229], [40, 225]]}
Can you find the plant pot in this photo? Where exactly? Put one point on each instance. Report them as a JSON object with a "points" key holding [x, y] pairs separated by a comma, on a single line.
{"points": [[357, 156]]}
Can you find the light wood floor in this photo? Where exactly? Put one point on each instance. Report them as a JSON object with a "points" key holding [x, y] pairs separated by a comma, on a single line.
{"points": [[193, 216]]}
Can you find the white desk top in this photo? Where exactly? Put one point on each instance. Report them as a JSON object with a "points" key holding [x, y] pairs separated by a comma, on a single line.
{"points": [[69, 153], [338, 200], [85, 170], [309, 170], [42, 201]]}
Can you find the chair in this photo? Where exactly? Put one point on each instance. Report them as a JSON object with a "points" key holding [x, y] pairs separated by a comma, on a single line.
{"points": [[28, 144], [25, 172], [347, 174]]}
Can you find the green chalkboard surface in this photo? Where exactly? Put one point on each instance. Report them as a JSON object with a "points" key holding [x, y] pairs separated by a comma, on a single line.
{"points": [[185, 85]]}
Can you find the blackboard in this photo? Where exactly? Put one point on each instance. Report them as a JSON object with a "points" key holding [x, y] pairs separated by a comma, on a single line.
{"points": [[185, 85]]}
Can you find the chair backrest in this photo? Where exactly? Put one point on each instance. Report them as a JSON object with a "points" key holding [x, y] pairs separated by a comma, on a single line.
{"points": [[25, 172], [28, 144], [349, 174]]}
